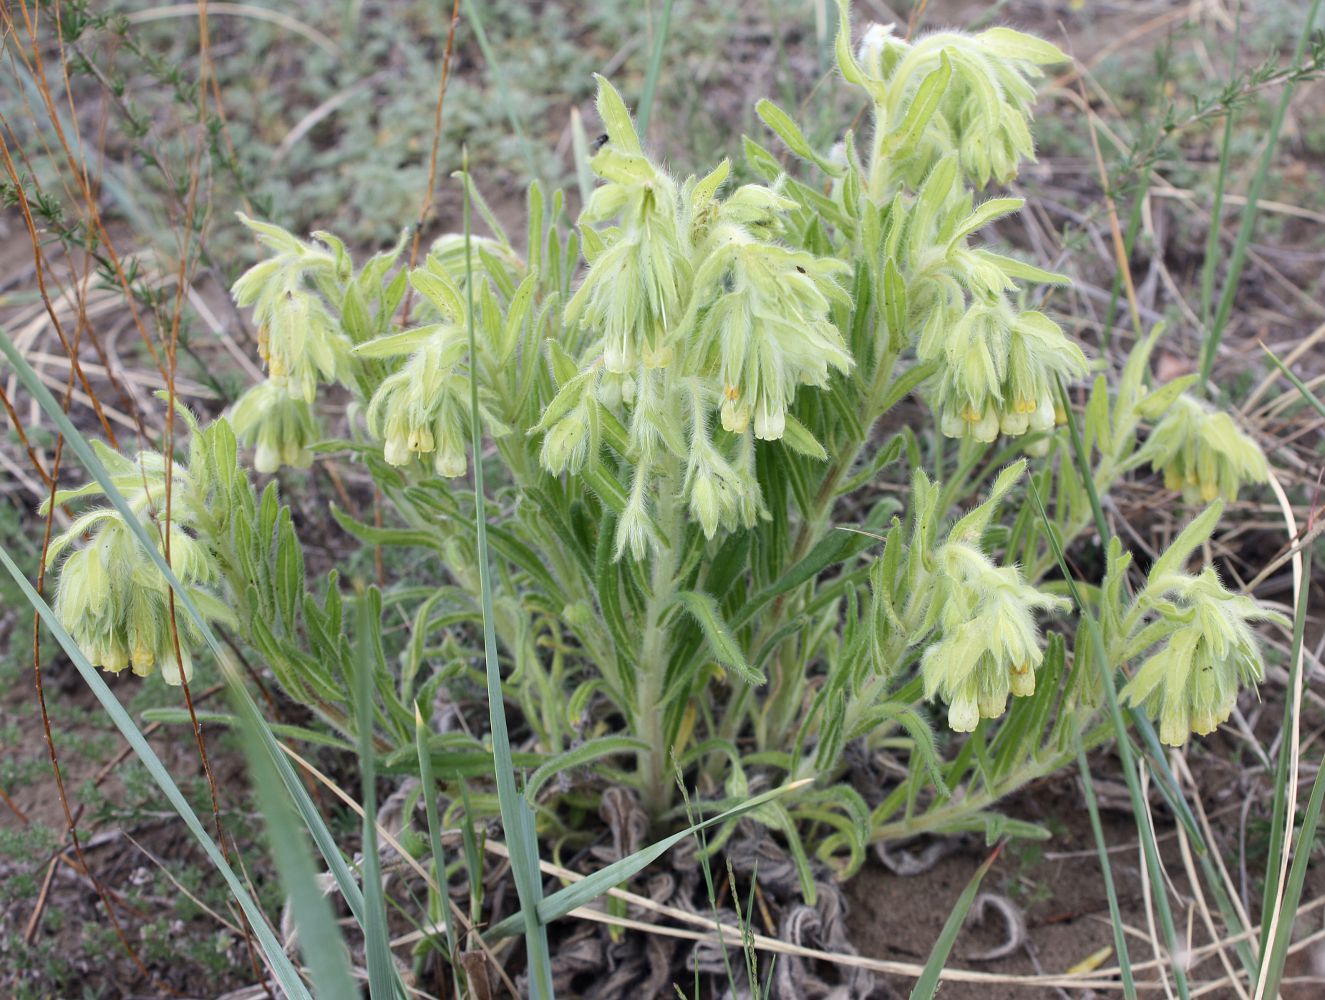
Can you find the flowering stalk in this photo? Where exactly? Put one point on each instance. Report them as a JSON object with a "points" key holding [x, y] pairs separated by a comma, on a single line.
{"points": [[650, 710]]}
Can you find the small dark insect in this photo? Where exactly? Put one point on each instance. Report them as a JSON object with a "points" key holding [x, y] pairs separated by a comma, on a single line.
{"points": [[600, 142], [800, 269]]}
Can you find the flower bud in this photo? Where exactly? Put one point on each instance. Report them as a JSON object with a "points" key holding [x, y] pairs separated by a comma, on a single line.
{"points": [[634, 531], [566, 445]]}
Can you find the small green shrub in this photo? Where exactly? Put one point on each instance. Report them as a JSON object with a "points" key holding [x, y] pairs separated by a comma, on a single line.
{"points": [[695, 571]]}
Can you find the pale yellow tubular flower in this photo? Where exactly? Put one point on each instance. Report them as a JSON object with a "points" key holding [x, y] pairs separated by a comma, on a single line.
{"points": [[1190, 683], [987, 644], [1202, 453]]}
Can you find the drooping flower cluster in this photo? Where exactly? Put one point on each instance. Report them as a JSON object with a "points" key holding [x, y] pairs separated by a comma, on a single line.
{"points": [[422, 410], [637, 281], [766, 327], [999, 370], [997, 367], [984, 110], [987, 641], [111, 597], [700, 312], [1202, 452], [298, 338], [113, 600], [1207, 650]]}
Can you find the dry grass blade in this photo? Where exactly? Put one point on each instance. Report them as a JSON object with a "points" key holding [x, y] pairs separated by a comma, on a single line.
{"points": [[711, 930], [1293, 749]]}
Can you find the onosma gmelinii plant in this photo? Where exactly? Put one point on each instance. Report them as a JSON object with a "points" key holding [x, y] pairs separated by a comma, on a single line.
{"points": [[689, 398]]}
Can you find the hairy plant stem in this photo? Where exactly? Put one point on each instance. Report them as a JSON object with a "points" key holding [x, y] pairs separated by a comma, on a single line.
{"points": [[771, 726], [655, 651]]}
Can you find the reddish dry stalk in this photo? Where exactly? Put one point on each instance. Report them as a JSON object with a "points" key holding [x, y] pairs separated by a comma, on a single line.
{"points": [[41, 694], [53, 481], [39, 258], [34, 921], [37, 71], [914, 21], [426, 205], [80, 169], [125, 398], [22, 816], [17, 424], [182, 280]]}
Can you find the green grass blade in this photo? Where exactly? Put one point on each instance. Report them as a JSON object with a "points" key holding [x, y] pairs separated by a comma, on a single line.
{"points": [[586, 890], [655, 68], [1317, 404], [1273, 967], [928, 983], [1167, 782], [1211, 261], [273, 953], [579, 142], [1083, 466], [1126, 753], [503, 89], [1248, 223], [473, 857], [517, 818], [1279, 813], [383, 977], [1115, 915], [435, 842], [320, 941], [1268, 948]]}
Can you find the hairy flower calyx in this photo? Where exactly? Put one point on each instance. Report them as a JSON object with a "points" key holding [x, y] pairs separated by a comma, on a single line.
{"points": [[1202, 452], [988, 644], [298, 338], [1206, 651]]}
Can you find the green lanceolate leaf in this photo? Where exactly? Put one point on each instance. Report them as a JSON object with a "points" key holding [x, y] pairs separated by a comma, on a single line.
{"points": [[789, 132], [516, 815], [580, 756], [704, 609]]}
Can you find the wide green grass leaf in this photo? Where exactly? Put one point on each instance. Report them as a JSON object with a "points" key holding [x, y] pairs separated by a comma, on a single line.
{"points": [[273, 953], [928, 983]]}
